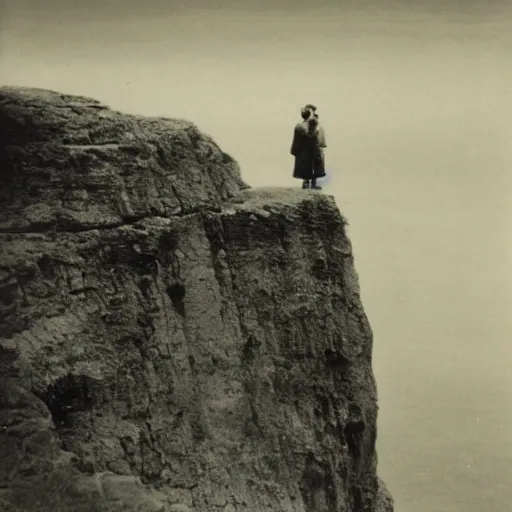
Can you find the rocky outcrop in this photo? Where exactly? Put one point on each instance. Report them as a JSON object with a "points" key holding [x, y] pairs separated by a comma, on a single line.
{"points": [[71, 164], [172, 340]]}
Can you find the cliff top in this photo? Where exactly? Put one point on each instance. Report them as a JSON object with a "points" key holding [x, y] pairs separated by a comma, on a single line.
{"points": [[71, 163]]}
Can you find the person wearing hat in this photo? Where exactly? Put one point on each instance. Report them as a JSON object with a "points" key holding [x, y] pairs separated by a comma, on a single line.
{"points": [[307, 148]]}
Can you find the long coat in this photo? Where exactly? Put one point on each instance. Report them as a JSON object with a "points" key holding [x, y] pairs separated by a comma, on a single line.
{"points": [[307, 148]]}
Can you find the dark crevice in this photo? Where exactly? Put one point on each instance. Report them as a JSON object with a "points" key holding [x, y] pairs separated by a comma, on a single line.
{"points": [[176, 293], [249, 349], [7, 172], [317, 486], [353, 434], [335, 359], [144, 261], [168, 241], [320, 269], [69, 395], [78, 291], [180, 202], [132, 256], [324, 404], [358, 500]]}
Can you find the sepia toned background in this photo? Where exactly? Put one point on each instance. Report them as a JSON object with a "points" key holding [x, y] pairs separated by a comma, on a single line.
{"points": [[416, 104]]}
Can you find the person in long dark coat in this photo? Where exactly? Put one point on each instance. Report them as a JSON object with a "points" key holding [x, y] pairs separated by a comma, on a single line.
{"points": [[321, 133], [307, 148]]}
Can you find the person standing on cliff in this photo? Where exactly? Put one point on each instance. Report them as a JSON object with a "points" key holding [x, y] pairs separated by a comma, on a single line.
{"points": [[307, 148], [321, 133]]}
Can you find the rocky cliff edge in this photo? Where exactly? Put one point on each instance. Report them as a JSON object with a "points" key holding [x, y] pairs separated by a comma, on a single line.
{"points": [[170, 339]]}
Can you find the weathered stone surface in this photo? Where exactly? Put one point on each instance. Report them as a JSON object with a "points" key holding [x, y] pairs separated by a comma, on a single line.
{"points": [[215, 358], [70, 163]]}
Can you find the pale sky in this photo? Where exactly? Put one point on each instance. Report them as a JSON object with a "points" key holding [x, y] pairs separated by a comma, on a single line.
{"points": [[415, 99]]}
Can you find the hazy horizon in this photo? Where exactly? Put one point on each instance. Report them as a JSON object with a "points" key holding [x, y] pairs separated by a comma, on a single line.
{"points": [[416, 106]]}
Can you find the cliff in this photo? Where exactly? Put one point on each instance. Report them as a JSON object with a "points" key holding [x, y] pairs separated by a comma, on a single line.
{"points": [[170, 339]]}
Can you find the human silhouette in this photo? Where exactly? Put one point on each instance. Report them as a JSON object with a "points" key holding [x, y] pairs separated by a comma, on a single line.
{"points": [[307, 148]]}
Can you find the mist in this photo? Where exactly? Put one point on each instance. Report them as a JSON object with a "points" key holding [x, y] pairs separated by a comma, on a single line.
{"points": [[415, 102]]}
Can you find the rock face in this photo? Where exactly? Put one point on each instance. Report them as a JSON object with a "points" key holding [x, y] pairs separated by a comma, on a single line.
{"points": [[171, 340]]}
